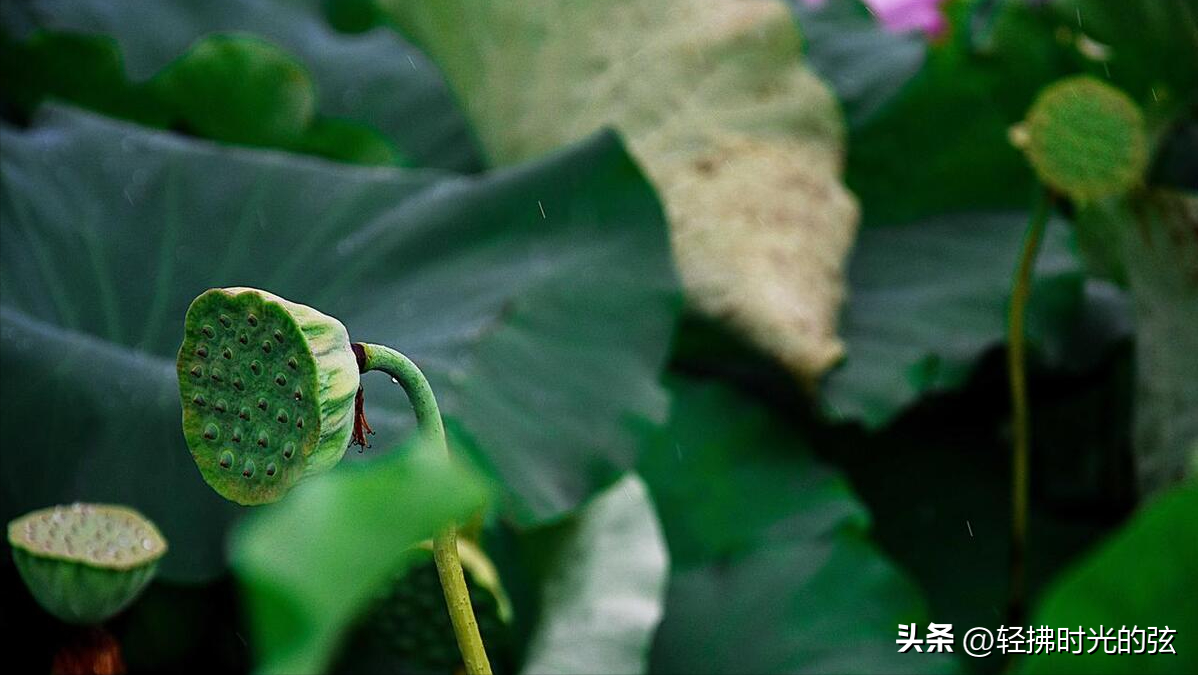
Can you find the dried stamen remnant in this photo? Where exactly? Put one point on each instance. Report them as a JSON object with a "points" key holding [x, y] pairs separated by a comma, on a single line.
{"points": [[361, 426]]}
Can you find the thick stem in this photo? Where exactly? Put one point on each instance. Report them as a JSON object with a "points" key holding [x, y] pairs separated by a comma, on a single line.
{"points": [[1020, 432], [445, 544]]}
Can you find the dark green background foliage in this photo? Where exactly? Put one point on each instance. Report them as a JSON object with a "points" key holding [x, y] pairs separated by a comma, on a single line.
{"points": [[657, 496]]}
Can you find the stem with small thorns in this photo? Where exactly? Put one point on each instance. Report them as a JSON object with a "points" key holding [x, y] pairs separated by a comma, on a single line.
{"points": [[445, 544], [1020, 432]]}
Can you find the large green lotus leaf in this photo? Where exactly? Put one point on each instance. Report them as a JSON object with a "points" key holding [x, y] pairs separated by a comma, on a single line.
{"points": [[741, 139], [542, 334], [310, 564], [374, 79], [701, 473], [1143, 577], [863, 62], [786, 580], [604, 587], [928, 299]]}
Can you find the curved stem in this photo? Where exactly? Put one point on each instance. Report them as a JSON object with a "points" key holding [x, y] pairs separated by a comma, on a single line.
{"points": [[1019, 405], [445, 544]]}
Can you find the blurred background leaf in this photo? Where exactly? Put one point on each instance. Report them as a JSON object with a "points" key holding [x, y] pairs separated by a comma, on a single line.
{"points": [[774, 571], [375, 84], [937, 484], [604, 587], [929, 299], [525, 323], [1143, 576], [545, 304], [308, 564], [865, 64], [1161, 245], [743, 142]]}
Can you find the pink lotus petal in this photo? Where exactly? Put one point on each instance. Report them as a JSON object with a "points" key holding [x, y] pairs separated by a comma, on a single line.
{"points": [[901, 16]]}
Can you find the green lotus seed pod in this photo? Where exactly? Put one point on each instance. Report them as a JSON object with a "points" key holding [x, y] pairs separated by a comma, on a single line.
{"points": [[85, 562], [268, 391], [407, 628], [1085, 138]]}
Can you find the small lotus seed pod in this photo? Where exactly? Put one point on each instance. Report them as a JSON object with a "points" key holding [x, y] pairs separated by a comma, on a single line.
{"points": [[84, 563], [1085, 138], [268, 389]]}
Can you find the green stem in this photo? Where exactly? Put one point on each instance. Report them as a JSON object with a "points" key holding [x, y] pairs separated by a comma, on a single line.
{"points": [[1020, 431], [445, 544]]}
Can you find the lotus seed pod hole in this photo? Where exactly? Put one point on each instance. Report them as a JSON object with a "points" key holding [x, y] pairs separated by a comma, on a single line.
{"points": [[252, 368]]}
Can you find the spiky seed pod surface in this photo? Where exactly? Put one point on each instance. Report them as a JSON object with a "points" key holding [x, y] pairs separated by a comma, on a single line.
{"points": [[407, 628], [267, 388], [1085, 138], [84, 563]]}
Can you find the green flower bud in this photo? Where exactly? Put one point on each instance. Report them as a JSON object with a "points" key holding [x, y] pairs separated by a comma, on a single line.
{"points": [[268, 391], [85, 562], [1085, 138]]}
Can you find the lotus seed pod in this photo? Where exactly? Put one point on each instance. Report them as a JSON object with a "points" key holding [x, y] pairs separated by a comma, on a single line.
{"points": [[85, 562], [268, 389], [407, 628], [1085, 138]]}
